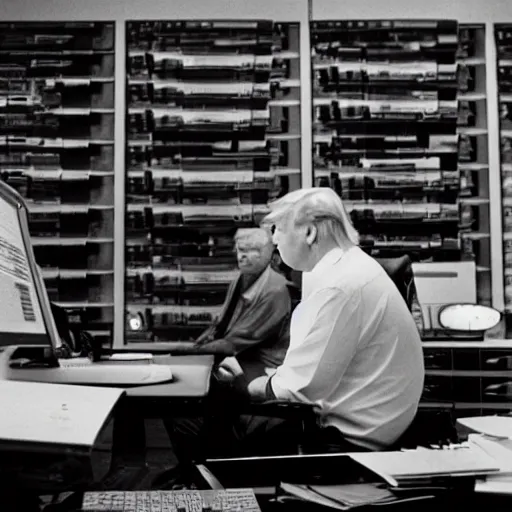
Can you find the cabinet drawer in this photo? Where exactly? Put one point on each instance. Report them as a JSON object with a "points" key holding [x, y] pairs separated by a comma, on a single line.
{"points": [[496, 389], [437, 388], [437, 359], [496, 360], [466, 359], [466, 389]]}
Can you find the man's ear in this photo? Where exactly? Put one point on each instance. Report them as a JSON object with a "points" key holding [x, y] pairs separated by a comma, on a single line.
{"points": [[311, 234]]}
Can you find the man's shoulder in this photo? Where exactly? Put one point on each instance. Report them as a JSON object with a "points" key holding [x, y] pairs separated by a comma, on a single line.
{"points": [[277, 283], [352, 273], [276, 278]]}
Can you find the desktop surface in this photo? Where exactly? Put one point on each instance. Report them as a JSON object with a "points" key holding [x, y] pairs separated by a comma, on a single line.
{"points": [[157, 347], [191, 376]]}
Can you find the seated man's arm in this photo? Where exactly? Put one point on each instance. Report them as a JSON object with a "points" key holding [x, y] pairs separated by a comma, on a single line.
{"points": [[257, 324], [318, 355], [206, 334]]}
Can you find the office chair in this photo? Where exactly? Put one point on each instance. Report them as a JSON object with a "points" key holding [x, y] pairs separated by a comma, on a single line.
{"points": [[400, 272]]}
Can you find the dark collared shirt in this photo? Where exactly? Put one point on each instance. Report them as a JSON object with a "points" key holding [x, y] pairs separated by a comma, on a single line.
{"points": [[258, 330]]}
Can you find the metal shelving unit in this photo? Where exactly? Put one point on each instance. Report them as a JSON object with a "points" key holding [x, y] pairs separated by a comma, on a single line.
{"points": [[399, 131], [213, 133], [473, 151], [503, 38], [56, 149]]}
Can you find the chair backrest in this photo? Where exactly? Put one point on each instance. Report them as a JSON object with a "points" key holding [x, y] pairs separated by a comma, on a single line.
{"points": [[429, 427], [400, 272]]}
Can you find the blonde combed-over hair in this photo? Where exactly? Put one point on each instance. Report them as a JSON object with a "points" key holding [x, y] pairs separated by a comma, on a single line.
{"points": [[321, 206]]}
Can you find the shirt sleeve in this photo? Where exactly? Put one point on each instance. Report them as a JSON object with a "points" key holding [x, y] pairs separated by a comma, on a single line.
{"points": [[269, 317], [324, 339]]}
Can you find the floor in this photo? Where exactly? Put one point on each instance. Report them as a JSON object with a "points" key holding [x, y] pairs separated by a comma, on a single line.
{"points": [[159, 457], [159, 454]]}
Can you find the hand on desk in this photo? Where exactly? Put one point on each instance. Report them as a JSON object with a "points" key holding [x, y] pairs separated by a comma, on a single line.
{"points": [[228, 370]]}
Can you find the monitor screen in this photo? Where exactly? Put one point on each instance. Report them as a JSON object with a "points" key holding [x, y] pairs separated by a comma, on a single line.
{"points": [[20, 308]]}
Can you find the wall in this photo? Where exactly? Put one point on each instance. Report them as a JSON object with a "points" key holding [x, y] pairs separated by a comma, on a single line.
{"points": [[464, 11]]}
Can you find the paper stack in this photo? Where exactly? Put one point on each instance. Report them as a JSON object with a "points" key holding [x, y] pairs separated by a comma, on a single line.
{"points": [[494, 436], [345, 497], [423, 466]]}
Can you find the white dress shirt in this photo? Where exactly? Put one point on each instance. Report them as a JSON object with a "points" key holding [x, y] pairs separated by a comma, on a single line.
{"points": [[354, 350]]}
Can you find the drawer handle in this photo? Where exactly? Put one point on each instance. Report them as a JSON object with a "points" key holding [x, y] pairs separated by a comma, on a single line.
{"points": [[431, 388], [497, 360], [505, 388]]}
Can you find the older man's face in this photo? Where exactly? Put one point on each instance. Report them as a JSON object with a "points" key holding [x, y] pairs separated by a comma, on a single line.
{"points": [[252, 259]]}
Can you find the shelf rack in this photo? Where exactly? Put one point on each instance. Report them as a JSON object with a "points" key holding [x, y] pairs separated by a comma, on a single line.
{"points": [[399, 131], [213, 124], [56, 148], [474, 150], [503, 38]]}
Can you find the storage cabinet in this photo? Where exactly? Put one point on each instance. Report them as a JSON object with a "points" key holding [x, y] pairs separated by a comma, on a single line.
{"points": [[471, 379]]}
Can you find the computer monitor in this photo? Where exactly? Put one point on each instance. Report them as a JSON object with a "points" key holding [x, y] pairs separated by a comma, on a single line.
{"points": [[25, 313], [441, 283]]}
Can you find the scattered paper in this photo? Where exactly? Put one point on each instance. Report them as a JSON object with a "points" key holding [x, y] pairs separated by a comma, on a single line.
{"points": [[495, 426]]}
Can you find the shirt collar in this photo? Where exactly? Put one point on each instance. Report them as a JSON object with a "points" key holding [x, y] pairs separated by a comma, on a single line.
{"points": [[257, 287], [328, 260], [313, 278]]}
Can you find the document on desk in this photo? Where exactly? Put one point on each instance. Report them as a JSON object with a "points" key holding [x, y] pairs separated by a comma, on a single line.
{"points": [[52, 414], [495, 426], [345, 497], [501, 451], [423, 464], [495, 485]]}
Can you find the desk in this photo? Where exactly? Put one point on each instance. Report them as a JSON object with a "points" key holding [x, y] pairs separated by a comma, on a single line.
{"points": [[184, 396], [191, 377], [265, 473], [190, 385]]}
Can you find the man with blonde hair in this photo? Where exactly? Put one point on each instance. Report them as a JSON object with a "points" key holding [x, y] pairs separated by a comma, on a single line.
{"points": [[355, 350]]}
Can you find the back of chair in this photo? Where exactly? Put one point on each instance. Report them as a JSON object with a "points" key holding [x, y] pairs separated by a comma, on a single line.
{"points": [[400, 272], [429, 427]]}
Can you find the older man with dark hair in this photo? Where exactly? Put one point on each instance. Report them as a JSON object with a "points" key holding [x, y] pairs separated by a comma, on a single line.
{"points": [[250, 339], [253, 325]]}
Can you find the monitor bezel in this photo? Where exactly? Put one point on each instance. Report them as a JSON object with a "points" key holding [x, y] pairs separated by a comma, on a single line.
{"points": [[50, 337]]}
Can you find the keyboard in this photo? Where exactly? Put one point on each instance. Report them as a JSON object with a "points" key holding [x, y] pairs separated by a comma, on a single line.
{"points": [[232, 500]]}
